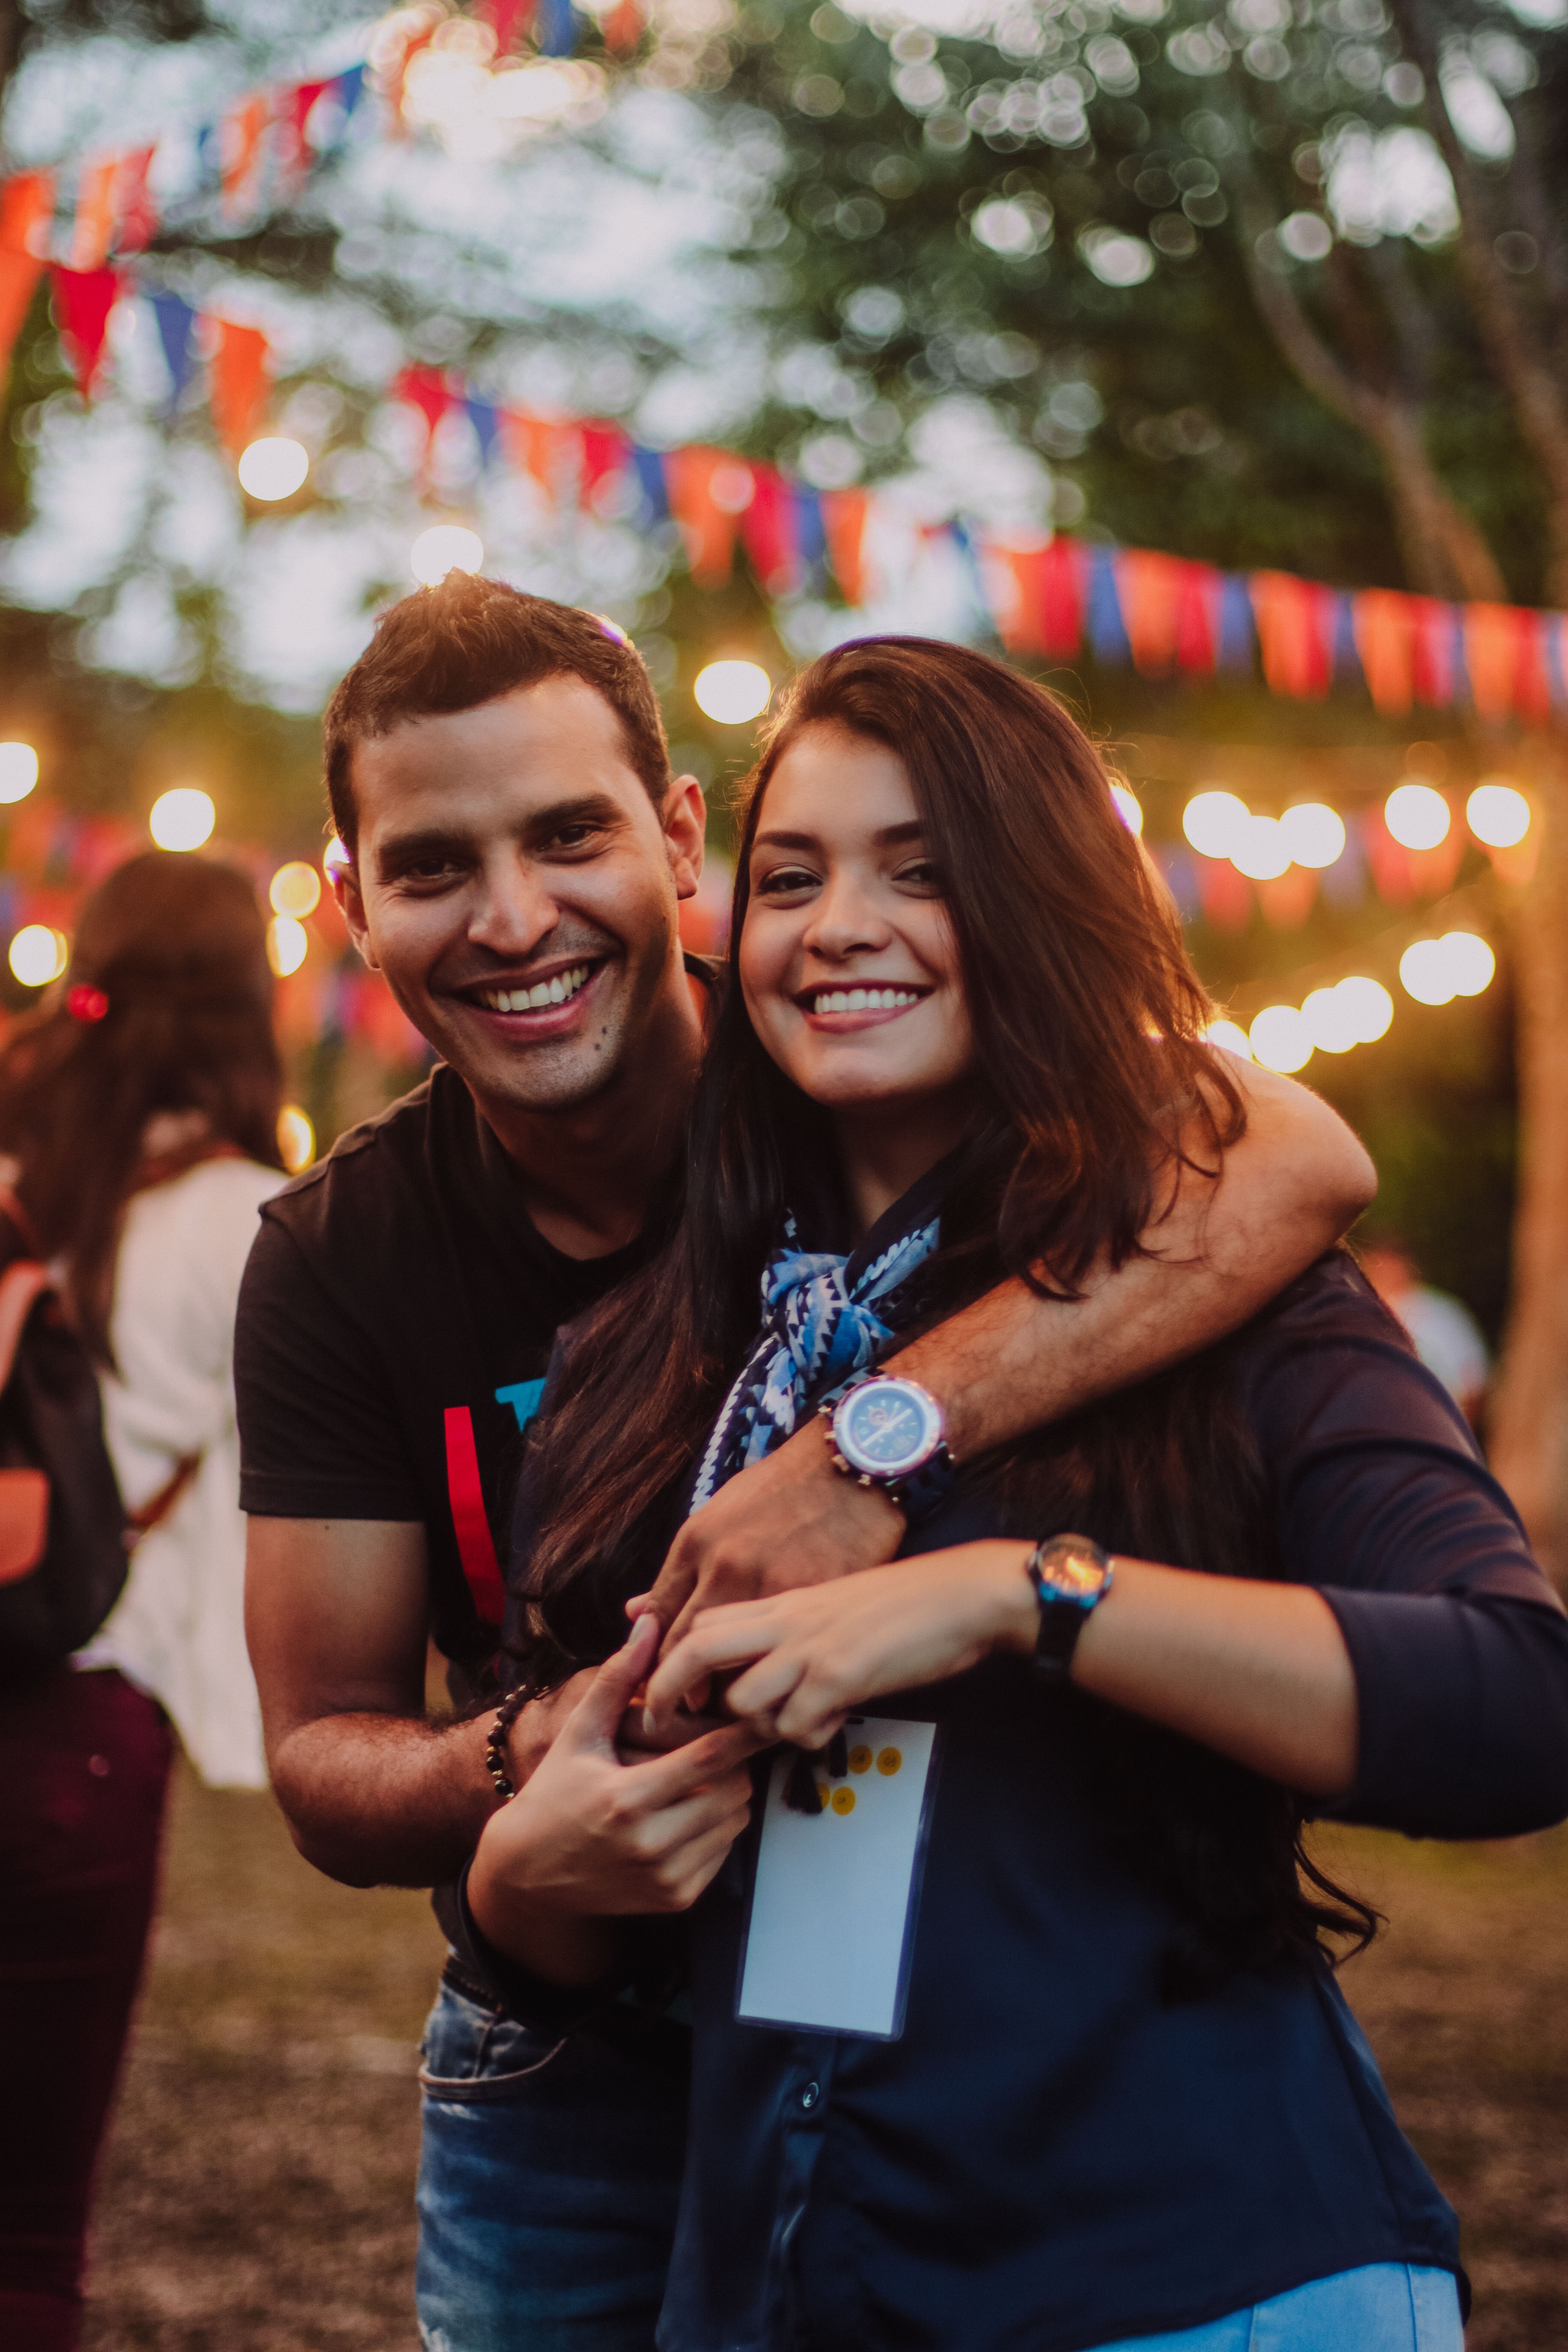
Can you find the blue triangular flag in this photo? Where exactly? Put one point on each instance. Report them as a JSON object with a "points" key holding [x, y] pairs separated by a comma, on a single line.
{"points": [[649, 467], [809, 535], [176, 325], [349, 89], [1106, 629], [482, 417], [1236, 633], [555, 27]]}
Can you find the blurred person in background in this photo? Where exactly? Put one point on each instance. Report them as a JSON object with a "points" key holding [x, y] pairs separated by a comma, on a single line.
{"points": [[1442, 1332], [138, 1118]]}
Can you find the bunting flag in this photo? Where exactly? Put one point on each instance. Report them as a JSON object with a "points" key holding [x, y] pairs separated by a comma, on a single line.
{"points": [[770, 529], [486, 423], [137, 208], [83, 299], [239, 154], [1384, 625], [292, 149], [1292, 616], [844, 514], [507, 19], [707, 489], [548, 452], [241, 383], [176, 330], [428, 389], [606, 449], [19, 275], [1150, 587], [26, 209], [92, 233]]}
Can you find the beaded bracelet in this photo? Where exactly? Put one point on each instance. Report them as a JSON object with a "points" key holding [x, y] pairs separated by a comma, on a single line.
{"points": [[496, 1761]]}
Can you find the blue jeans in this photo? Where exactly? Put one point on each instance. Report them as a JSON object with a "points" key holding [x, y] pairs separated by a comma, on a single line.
{"points": [[549, 2177], [1383, 2307]]}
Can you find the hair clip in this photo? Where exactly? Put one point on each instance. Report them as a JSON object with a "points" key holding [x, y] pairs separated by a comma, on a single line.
{"points": [[85, 1002]]}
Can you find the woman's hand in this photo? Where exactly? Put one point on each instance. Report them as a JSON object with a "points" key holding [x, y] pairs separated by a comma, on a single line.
{"points": [[812, 1656], [590, 1837]]}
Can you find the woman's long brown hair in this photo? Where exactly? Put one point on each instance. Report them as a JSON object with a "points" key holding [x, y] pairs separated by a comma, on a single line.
{"points": [[1094, 1086], [178, 947]]}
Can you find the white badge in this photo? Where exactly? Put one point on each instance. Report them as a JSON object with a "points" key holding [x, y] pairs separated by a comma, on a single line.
{"points": [[833, 1907]]}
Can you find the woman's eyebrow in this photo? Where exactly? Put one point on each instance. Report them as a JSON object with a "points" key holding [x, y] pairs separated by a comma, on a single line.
{"points": [[887, 837], [784, 841]]}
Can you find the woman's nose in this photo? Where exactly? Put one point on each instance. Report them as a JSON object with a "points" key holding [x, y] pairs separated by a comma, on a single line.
{"points": [[845, 918]]}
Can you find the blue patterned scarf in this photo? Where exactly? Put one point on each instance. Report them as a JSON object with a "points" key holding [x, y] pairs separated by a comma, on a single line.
{"points": [[820, 1327]]}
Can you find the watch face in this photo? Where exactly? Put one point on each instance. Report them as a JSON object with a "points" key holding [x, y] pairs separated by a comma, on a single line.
{"points": [[888, 1427], [1074, 1576]]}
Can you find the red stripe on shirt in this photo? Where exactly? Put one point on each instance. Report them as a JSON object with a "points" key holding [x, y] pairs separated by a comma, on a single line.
{"points": [[476, 1546]]}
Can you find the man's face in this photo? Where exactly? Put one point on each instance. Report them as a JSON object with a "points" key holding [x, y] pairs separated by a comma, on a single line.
{"points": [[518, 888]]}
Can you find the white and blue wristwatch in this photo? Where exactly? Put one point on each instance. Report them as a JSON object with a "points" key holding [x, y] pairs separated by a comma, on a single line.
{"points": [[887, 1432]]}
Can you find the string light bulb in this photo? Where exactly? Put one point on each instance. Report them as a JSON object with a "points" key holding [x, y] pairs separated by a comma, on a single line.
{"points": [[18, 770], [1281, 1039], [182, 819], [732, 691], [1498, 814], [37, 955], [1129, 808], [295, 889], [288, 943], [1314, 833], [1416, 816], [1257, 850], [1212, 821]]}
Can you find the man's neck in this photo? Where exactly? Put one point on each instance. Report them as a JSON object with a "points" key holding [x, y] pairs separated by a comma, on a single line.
{"points": [[588, 1170]]}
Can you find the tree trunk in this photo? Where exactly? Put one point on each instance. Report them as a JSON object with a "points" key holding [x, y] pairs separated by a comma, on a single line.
{"points": [[1443, 549], [1528, 1424]]}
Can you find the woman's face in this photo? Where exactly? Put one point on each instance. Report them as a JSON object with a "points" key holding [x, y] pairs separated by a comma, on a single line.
{"points": [[847, 960]]}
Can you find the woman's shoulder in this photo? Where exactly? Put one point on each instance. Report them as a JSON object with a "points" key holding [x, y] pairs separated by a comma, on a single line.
{"points": [[228, 1187]]}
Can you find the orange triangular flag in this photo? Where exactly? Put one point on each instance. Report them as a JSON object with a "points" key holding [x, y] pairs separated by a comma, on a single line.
{"points": [[92, 233], [704, 500], [1383, 622], [27, 208], [844, 515], [241, 381], [20, 275], [243, 127], [1491, 656], [1149, 585]]}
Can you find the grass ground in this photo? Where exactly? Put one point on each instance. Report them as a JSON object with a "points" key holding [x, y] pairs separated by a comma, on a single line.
{"points": [[258, 2190]]}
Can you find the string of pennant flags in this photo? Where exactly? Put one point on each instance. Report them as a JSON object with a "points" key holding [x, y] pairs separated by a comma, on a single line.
{"points": [[1050, 598]]}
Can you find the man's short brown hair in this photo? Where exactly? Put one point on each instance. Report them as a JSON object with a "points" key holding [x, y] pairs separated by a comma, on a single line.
{"points": [[466, 642]]}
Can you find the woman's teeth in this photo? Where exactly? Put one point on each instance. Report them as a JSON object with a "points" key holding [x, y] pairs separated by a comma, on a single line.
{"points": [[863, 1000], [545, 992]]}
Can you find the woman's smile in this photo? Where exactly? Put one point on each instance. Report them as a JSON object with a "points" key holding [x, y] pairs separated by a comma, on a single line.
{"points": [[838, 1008]]}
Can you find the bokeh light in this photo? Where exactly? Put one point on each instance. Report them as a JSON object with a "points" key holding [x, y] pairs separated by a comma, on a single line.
{"points": [[182, 819], [1257, 850], [1281, 1039], [287, 942], [444, 547], [295, 889], [1313, 833], [37, 955], [273, 468], [296, 1139], [1416, 816], [1129, 808], [1370, 1005], [1498, 814], [335, 858], [732, 691], [1434, 971], [1231, 1035], [1211, 822], [1331, 1020], [18, 770]]}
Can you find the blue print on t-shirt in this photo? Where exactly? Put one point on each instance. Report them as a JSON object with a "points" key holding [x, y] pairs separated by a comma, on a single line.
{"points": [[523, 1398]]}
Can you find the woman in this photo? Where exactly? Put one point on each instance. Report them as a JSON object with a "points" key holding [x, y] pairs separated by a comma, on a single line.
{"points": [[1102, 2090], [139, 1112]]}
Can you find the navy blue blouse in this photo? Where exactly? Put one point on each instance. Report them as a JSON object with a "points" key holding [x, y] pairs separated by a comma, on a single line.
{"points": [[1054, 2155]]}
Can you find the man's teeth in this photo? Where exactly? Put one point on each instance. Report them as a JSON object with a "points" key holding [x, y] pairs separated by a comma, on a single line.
{"points": [[863, 1000], [544, 991]]}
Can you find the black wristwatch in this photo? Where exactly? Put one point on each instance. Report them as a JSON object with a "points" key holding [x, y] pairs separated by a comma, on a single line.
{"points": [[1072, 1576]]}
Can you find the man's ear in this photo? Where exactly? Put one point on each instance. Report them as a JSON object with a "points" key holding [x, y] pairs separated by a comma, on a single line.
{"points": [[684, 817], [345, 890]]}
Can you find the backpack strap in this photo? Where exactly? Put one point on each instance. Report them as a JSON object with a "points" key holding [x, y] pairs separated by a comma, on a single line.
{"points": [[11, 1208], [158, 1506], [22, 1285]]}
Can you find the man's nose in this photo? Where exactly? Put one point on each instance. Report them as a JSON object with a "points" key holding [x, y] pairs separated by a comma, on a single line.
{"points": [[514, 907]]}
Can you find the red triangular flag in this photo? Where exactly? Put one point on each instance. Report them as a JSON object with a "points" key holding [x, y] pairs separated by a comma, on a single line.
{"points": [[428, 389], [83, 300], [294, 153], [241, 379], [507, 19]]}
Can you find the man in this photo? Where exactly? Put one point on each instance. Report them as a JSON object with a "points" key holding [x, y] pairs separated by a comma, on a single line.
{"points": [[518, 852]]}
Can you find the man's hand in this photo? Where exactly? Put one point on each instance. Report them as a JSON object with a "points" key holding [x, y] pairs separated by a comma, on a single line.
{"points": [[592, 1839], [790, 1519]]}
